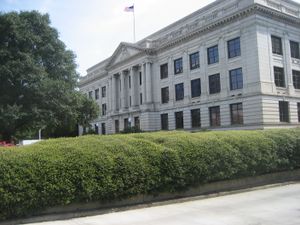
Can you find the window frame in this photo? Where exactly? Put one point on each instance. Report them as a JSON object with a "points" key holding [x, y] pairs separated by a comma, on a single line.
{"points": [[284, 111], [179, 91], [295, 51], [178, 63], [212, 55], [237, 114], [279, 78], [164, 71], [179, 121], [296, 79], [198, 92], [164, 121], [236, 79], [194, 60], [276, 45], [235, 50], [104, 109], [215, 122], [97, 96], [103, 91], [165, 97], [214, 85], [196, 118]]}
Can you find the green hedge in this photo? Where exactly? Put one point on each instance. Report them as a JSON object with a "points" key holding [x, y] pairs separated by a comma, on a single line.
{"points": [[90, 168]]}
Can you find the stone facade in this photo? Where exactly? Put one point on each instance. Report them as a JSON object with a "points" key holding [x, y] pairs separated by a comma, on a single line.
{"points": [[249, 45]]}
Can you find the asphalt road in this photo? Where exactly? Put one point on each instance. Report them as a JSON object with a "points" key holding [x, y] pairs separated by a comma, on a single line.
{"points": [[272, 206]]}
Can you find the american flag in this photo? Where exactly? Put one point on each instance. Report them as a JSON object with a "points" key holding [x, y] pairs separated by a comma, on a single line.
{"points": [[129, 9]]}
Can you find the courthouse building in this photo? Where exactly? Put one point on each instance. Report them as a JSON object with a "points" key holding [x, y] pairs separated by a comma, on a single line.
{"points": [[234, 64]]}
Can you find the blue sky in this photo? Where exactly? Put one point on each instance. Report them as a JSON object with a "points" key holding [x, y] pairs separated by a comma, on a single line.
{"points": [[94, 28]]}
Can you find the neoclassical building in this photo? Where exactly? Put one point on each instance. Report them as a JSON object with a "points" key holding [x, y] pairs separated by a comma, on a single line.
{"points": [[234, 64]]}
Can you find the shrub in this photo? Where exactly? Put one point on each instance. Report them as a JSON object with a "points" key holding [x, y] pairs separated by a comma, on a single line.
{"points": [[104, 168]]}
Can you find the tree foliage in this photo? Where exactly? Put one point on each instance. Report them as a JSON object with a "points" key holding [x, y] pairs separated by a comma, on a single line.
{"points": [[38, 78]]}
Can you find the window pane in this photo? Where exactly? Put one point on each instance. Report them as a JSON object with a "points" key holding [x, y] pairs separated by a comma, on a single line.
{"points": [[196, 87], [214, 114], [284, 111], [164, 71], [179, 91], [103, 90], [295, 53], [214, 84], [296, 79], [194, 60], [97, 94], [195, 117], [234, 48], [165, 95], [213, 55], [236, 113], [236, 79], [276, 45], [179, 120], [164, 121], [178, 66], [279, 77]]}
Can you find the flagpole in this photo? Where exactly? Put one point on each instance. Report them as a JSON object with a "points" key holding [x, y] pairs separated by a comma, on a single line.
{"points": [[133, 24]]}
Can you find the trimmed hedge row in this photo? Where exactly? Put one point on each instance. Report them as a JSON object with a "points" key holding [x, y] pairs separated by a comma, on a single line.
{"points": [[91, 168]]}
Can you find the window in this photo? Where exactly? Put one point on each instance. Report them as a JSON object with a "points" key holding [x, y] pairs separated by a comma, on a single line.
{"points": [[91, 94], [234, 48], [214, 84], [236, 111], [103, 92], [103, 109], [178, 66], [279, 77], [284, 111], [179, 91], [295, 53], [96, 128], [164, 71], [117, 126], [140, 76], [126, 123], [164, 121], [296, 79], [97, 94], [141, 99], [194, 61], [137, 122], [276, 45], [195, 117], [129, 82], [165, 95], [179, 120], [298, 111], [214, 116], [130, 103], [236, 79], [196, 88], [213, 55], [103, 130]]}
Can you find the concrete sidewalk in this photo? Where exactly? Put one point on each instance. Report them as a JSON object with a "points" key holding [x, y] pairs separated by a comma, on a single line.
{"points": [[272, 206]]}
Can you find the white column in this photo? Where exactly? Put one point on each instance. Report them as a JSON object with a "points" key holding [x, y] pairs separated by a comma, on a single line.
{"points": [[109, 94], [123, 90], [114, 94], [148, 82], [143, 70]]}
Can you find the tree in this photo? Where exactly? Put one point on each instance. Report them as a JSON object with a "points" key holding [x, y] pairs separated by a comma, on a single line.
{"points": [[38, 77]]}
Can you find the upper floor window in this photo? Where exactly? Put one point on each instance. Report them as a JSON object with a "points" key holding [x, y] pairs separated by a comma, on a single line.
{"points": [[141, 99], [236, 79], [90, 94], [164, 71], [295, 53], [178, 67], [194, 61], [214, 84], [196, 87], [140, 76], [279, 77], [236, 111], [129, 82], [97, 93], [103, 90], [234, 48], [214, 116], [103, 109], [296, 79], [284, 111], [165, 95], [276, 45], [179, 91], [213, 55]]}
